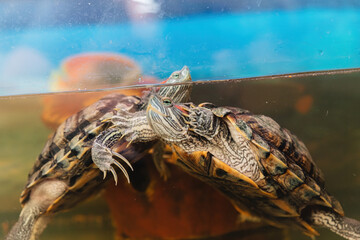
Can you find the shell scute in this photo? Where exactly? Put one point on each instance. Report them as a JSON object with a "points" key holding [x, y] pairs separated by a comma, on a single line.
{"points": [[231, 175], [289, 181], [311, 183], [245, 129], [284, 146], [297, 171], [269, 188], [67, 149], [273, 165], [263, 149], [304, 193], [290, 175]]}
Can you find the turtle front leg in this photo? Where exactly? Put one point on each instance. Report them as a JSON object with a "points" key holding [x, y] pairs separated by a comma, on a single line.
{"points": [[103, 156], [132, 129]]}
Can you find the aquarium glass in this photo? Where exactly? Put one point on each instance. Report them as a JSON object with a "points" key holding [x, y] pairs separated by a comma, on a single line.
{"points": [[295, 61]]}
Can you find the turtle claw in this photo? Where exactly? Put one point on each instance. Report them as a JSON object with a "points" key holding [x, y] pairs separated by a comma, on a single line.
{"points": [[120, 166], [129, 143], [122, 158], [115, 175], [103, 158]]}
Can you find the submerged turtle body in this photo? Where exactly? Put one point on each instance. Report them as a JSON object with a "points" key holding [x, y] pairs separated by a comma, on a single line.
{"points": [[265, 171], [64, 174], [66, 155], [289, 181]]}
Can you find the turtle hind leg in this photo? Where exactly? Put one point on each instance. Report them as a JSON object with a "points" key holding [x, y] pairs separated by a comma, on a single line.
{"points": [[32, 221], [23, 228], [29, 227], [346, 227], [40, 226]]}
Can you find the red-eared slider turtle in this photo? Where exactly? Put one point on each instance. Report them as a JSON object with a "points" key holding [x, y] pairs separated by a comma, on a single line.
{"points": [[172, 209], [64, 173], [264, 169], [266, 172]]}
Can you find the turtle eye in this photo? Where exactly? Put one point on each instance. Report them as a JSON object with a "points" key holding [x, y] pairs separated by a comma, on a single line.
{"points": [[167, 101]]}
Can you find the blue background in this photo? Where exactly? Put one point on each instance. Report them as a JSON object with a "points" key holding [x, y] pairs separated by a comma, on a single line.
{"points": [[219, 42]]}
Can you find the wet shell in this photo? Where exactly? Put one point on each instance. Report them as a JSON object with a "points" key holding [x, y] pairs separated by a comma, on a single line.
{"points": [[67, 157], [291, 184]]}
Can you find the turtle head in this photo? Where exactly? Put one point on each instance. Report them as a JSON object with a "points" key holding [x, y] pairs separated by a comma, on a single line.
{"points": [[168, 120], [179, 92]]}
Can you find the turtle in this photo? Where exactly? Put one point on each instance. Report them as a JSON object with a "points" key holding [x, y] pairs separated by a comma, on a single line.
{"points": [[64, 174], [168, 209], [263, 169]]}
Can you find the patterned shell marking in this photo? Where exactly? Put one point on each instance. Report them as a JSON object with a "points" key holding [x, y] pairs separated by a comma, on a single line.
{"points": [[66, 155]]}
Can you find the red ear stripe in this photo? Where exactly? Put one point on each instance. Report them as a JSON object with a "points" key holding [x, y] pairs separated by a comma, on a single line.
{"points": [[181, 109], [164, 81]]}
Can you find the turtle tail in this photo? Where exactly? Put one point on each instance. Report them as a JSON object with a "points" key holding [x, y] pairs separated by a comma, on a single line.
{"points": [[346, 227]]}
